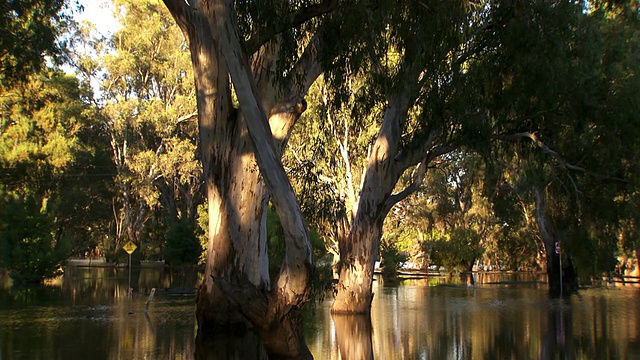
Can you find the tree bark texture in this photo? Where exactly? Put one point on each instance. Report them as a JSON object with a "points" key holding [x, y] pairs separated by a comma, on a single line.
{"points": [[280, 324], [361, 248], [241, 159]]}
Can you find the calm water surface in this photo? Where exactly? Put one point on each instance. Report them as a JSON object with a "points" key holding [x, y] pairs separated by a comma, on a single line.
{"points": [[88, 315]]}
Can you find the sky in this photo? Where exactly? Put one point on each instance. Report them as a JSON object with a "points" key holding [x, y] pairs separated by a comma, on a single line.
{"points": [[100, 13]]}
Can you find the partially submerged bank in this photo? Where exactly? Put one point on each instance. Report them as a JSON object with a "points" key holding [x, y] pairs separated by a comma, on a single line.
{"points": [[472, 278]]}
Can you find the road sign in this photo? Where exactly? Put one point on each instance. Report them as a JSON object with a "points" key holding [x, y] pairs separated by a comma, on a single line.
{"points": [[557, 247], [130, 247]]}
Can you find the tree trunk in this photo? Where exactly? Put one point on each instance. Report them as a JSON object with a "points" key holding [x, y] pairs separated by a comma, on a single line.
{"points": [[561, 281], [276, 315], [218, 131], [362, 247], [357, 258], [236, 275], [233, 148]]}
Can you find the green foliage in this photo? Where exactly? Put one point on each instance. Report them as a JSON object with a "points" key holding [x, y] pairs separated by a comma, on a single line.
{"points": [[29, 247], [182, 246], [459, 251], [49, 211], [149, 119], [30, 29], [203, 230], [563, 73], [277, 248], [391, 257]]}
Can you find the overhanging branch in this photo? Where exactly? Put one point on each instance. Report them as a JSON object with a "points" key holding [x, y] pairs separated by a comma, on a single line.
{"points": [[418, 178], [547, 150], [305, 14]]}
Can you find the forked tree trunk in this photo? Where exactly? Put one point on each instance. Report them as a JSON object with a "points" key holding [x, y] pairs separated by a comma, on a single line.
{"points": [[361, 248], [275, 313], [235, 275], [236, 246], [386, 164]]}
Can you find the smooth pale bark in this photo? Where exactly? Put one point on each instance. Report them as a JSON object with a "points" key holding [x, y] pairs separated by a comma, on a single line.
{"points": [[217, 135], [361, 248], [233, 145], [275, 313], [236, 249]]}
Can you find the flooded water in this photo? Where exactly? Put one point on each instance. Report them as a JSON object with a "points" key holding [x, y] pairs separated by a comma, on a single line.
{"points": [[88, 315]]}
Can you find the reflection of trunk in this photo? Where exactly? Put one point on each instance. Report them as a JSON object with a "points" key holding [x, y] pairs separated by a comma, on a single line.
{"points": [[353, 333], [556, 341], [226, 346]]}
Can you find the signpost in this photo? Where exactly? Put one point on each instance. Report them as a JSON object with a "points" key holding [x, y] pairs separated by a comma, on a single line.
{"points": [[130, 247], [560, 262]]}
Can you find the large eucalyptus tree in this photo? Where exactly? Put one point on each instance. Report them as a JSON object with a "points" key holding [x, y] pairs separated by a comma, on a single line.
{"points": [[412, 56], [437, 78], [270, 54]]}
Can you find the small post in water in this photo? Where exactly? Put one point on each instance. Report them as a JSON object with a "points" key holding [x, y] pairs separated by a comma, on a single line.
{"points": [[153, 291]]}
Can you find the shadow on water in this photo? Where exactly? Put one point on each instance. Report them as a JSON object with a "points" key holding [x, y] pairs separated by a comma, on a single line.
{"points": [[224, 346]]}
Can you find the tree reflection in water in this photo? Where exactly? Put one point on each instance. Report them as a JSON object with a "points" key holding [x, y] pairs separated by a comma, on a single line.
{"points": [[353, 334], [90, 316], [223, 345], [499, 318]]}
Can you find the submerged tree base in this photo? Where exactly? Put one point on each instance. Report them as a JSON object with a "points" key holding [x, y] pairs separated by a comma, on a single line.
{"points": [[229, 343], [276, 320]]}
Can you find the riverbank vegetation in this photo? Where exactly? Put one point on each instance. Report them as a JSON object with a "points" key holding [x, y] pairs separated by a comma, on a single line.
{"points": [[417, 133]]}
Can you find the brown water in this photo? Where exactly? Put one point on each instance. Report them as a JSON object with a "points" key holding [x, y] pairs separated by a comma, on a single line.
{"points": [[88, 315]]}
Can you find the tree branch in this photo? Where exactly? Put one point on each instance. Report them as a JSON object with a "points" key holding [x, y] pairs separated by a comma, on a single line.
{"points": [[417, 181], [307, 69], [536, 140], [179, 10], [187, 117], [305, 14], [418, 178]]}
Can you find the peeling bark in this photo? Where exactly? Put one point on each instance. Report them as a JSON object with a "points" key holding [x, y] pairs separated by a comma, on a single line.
{"points": [[361, 248], [241, 157]]}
